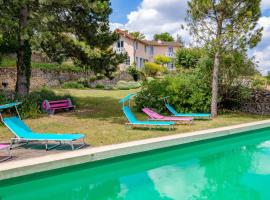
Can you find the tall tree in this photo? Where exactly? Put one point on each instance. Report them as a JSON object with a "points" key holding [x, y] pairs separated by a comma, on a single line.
{"points": [[224, 25], [166, 37], [138, 35], [74, 29]]}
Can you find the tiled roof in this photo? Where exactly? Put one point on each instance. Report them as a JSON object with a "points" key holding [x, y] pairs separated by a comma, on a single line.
{"points": [[148, 42], [162, 43]]}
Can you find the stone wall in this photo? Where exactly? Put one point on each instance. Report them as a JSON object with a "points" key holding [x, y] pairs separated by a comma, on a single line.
{"points": [[51, 78], [259, 103]]}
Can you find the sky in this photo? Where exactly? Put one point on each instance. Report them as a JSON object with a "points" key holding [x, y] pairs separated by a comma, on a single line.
{"points": [[156, 16]]}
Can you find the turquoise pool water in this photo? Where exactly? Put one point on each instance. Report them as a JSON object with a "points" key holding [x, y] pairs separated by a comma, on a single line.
{"points": [[229, 168]]}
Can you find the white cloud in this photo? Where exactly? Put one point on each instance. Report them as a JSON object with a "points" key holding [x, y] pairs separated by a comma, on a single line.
{"points": [[262, 51], [265, 4], [156, 16]]}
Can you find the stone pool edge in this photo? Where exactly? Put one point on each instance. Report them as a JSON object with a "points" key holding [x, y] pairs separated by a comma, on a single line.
{"points": [[49, 162]]}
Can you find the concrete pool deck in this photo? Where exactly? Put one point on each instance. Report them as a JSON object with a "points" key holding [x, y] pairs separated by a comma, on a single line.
{"points": [[55, 161]]}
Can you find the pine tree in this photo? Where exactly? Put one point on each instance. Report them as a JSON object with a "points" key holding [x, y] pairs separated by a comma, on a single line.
{"points": [[224, 25]]}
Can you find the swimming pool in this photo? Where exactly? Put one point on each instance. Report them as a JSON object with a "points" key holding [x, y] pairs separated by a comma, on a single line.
{"points": [[231, 167]]}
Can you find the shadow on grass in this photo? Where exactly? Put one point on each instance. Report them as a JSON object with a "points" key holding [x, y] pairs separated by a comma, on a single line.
{"points": [[100, 108]]}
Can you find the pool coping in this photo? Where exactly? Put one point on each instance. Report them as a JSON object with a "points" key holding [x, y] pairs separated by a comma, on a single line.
{"points": [[50, 162]]}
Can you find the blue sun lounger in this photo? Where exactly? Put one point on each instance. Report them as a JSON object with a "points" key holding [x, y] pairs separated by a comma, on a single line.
{"points": [[195, 115], [24, 134], [133, 121]]}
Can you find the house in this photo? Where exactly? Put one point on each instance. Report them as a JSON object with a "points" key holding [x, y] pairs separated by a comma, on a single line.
{"points": [[140, 51]]}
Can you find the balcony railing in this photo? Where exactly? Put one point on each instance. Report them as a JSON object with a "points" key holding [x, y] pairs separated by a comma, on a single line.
{"points": [[119, 50], [170, 54]]}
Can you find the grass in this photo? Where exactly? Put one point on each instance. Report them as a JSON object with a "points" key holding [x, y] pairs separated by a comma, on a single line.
{"points": [[98, 115]]}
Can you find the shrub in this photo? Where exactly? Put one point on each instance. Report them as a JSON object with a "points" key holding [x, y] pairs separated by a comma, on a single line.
{"points": [[123, 85], [134, 72], [74, 85], [162, 60], [188, 57], [153, 69], [31, 104], [100, 86], [187, 92], [259, 82]]}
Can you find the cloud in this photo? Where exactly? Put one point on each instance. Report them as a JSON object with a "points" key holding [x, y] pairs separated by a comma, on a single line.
{"points": [[157, 16], [262, 51], [265, 4]]}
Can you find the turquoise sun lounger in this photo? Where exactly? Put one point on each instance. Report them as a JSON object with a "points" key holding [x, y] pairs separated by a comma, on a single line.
{"points": [[135, 122], [24, 134], [195, 115]]}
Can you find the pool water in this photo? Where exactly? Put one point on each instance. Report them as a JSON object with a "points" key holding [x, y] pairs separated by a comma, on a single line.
{"points": [[229, 168]]}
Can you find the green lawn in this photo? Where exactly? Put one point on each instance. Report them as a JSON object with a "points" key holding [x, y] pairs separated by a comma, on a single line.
{"points": [[99, 116]]}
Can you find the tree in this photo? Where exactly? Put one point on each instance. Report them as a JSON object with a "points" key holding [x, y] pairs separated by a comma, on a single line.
{"points": [[166, 37], [162, 60], [138, 35], [224, 25], [64, 29], [180, 40]]}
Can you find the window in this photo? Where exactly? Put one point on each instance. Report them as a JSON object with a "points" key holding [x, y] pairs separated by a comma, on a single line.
{"points": [[151, 50], [120, 44], [137, 62], [141, 62], [170, 52], [170, 49], [128, 61], [170, 66]]}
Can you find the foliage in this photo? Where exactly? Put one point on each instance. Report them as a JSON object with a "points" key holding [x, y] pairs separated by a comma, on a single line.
{"points": [[188, 57], [73, 85], [224, 26], [123, 85], [235, 68], [234, 97], [259, 82], [162, 60], [100, 86], [166, 37], [64, 29], [188, 92], [31, 103], [137, 35], [153, 69], [268, 78], [134, 72]]}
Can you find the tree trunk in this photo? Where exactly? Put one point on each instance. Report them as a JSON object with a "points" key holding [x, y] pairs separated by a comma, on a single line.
{"points": [[214, 102], [23, 55]]}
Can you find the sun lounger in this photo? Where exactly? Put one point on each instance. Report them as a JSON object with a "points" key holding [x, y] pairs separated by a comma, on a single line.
{"points": [[155, 116], [24, 134], [134, 122], [195, 115]]}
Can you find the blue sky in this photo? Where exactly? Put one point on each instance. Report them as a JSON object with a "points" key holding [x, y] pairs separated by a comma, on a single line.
{"points": [[156, 16], [121, 8]]}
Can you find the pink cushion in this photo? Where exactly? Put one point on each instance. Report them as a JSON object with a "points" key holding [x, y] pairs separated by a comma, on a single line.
{"points": [[4, 146]]}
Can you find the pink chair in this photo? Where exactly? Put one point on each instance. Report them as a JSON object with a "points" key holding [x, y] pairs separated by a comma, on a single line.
{"points": [[155, 116], [5, 147]]}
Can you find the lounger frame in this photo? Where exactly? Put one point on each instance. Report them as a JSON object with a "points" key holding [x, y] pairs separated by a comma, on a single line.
{"points": [[17, 141]]}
